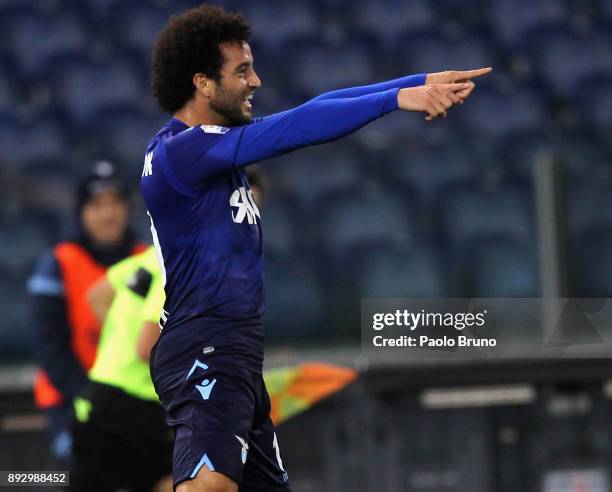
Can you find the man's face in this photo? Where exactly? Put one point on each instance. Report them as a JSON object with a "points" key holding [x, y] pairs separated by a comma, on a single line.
{"points": [[231, 99], [105, 218]]}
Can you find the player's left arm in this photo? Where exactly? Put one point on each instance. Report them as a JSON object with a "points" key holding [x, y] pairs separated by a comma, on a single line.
{"points": [[447, 77], [194, 155], [400, 83]]}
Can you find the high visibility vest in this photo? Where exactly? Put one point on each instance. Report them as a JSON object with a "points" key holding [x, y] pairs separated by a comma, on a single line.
{"points": [[79, 273]]}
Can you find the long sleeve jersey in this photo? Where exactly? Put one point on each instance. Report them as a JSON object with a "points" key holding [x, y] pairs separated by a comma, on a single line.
{"points": [[205, 224]]}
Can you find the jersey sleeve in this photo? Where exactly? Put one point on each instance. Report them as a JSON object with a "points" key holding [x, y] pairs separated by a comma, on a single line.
{"points": [[199, 153], [154, 301], [189, 162], [400, 83]]}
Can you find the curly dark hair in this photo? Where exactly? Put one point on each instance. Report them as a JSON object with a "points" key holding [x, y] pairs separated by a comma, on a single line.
{"points": [[189, 44]]}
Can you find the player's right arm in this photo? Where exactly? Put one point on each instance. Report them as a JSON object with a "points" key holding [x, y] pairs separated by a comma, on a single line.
{"points": [[201, 152]]}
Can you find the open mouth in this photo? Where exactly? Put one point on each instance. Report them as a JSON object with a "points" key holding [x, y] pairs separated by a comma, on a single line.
{"points": [[248, 101]]}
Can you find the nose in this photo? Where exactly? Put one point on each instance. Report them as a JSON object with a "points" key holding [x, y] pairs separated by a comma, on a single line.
{"points": [[255, 81]]}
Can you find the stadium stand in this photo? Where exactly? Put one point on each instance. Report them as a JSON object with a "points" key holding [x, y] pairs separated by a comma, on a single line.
{"points": [[459, 186]]}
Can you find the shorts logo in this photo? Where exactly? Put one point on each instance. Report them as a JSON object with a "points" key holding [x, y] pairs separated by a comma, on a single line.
{"points": [[206, 386], [245, 448]]}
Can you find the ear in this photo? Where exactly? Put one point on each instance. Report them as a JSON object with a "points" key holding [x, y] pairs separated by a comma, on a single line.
{"points": [[204, 85]]}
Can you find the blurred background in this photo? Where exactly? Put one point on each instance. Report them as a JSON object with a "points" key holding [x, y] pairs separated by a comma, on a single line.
{"points": [[403, 208]]}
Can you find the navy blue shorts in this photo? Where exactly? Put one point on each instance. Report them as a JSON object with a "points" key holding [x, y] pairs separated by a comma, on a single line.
{"points": [[220, 413]]}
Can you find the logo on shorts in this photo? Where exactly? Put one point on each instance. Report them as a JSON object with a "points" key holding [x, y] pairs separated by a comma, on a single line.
{"points": [[206, 386], [245, 448]]}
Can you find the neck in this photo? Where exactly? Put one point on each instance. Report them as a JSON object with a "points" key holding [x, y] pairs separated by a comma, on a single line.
{"points": [[197, 112]]}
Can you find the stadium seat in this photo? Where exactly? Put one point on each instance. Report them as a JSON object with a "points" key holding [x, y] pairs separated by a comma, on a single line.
{"points": [[85, 87], [430, 51], [63, 33], [9, 133], [275, 22], [593, 103], [294, 310], [356, 220], [500, 268], [315, 173], [334, 8], [278, 219], [512, 19], [20, 243], [524, 109], [589, 207], [605, 9], [50, 188], [468, 213], [415, 273], [15, 330], [9, 88], [135, 24], [520, 151], [42, 138], [592, 265], [429, 170], [558, 56], [585, 157], [374, 18], [317, 67], [402, 129], [46, 138], [123, 135]]}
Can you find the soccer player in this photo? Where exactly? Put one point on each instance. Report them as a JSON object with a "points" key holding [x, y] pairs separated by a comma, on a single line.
{"points": [[207, 363]]}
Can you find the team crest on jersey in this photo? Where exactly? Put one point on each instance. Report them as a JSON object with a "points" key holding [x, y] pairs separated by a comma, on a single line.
{"points": [[221, 130]]}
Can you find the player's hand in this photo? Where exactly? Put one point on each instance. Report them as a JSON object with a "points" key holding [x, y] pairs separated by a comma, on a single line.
{"points": [[433, 99], [452, 76]]}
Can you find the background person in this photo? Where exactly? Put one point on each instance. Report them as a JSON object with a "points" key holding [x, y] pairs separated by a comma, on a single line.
{"points": [[66, 330]]}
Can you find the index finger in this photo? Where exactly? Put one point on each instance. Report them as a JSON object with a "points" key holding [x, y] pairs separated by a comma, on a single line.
{"points": [[470, 74], [455, 86]]}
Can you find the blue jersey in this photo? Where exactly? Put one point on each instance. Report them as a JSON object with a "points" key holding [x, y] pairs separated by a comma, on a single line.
{"points": [[205, 224]]}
